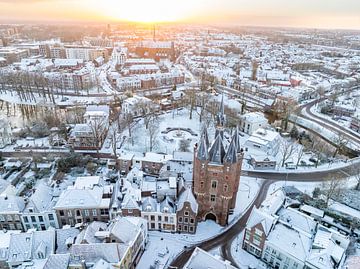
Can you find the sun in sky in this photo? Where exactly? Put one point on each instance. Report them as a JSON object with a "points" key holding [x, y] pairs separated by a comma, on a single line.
{"points": [[146, 11]]}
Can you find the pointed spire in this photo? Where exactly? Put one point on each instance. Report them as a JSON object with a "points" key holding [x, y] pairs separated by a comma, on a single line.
{"points": [[202, 153], [220, 117], [217, 151], [231, 154], [204, 135], [236, 137]]}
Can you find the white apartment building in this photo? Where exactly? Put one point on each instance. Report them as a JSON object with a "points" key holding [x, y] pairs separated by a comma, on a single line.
{"points": [[119, 55], [264, 140], [252, 121]]}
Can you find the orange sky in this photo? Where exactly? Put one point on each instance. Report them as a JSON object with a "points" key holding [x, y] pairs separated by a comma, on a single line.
{"points": [[303, 13]]}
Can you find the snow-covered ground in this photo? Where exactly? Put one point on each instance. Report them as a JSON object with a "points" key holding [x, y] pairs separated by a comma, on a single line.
{"points": [[12, 97]]}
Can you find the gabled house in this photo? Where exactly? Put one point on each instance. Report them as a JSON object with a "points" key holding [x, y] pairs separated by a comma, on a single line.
{"points": [[257, 229], [186, 212]]}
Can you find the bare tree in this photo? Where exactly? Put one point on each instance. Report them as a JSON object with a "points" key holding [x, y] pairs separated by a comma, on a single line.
{"points": [[319, 147], [153, 131], [128, 122], [99, 128], [355, 171], [284, 109], [300, 154], [287, 148], [115, 138], [340, 142], [332, 188], [184, 145]]}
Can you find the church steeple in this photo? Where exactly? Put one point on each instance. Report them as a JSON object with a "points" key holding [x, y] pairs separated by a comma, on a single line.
{"points": [[220, 117]]}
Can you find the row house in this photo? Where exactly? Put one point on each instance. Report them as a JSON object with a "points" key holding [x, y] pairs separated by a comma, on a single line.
{"points": [[11, 208], [287, 238], [33, 247], [84, 203], [38, 212], [124, 238], [159, 216], [187, 212]]}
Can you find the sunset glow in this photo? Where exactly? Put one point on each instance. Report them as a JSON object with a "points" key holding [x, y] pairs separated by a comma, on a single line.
{"points": [[144, 11], [306, 13]]}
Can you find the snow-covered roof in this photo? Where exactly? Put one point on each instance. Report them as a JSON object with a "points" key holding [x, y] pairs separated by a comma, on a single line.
{"points": [[254, 117], [200, 259], [25, 246], [297, 220], [91, 253], [257, 216], [290, 241], [124, 230], [328, 249], [10, 204], [273, 202], [87, 182], [58, 261], [187, 196], [82, 198]]}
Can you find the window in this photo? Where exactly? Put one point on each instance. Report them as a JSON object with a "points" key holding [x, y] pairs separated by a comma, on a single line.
{"points": [[69, 213], [258, 232], [214, 184], [180, 219], [186, 213], [61, 213], [191, 229], [185, 228], [191, 220], [94, 212], [78, 213], [179, 228], [186, 220], [166, 219], [41, 219], [86, 212], [152, 225], [51, 217], [152, 217], [33, 219], [226, 187], [26, 219], [159, 218], [247, 235], [171, 219], [212, 198], [104, 211], [201, 184]]}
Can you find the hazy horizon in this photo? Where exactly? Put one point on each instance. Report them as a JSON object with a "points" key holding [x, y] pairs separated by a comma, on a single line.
{"points": [[333, 14]]}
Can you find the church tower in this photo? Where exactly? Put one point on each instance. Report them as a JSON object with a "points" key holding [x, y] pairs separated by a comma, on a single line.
{"points": [[216, 173]]}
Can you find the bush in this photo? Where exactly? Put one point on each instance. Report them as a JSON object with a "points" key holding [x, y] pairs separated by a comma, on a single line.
{"points": [[73, 160]]}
